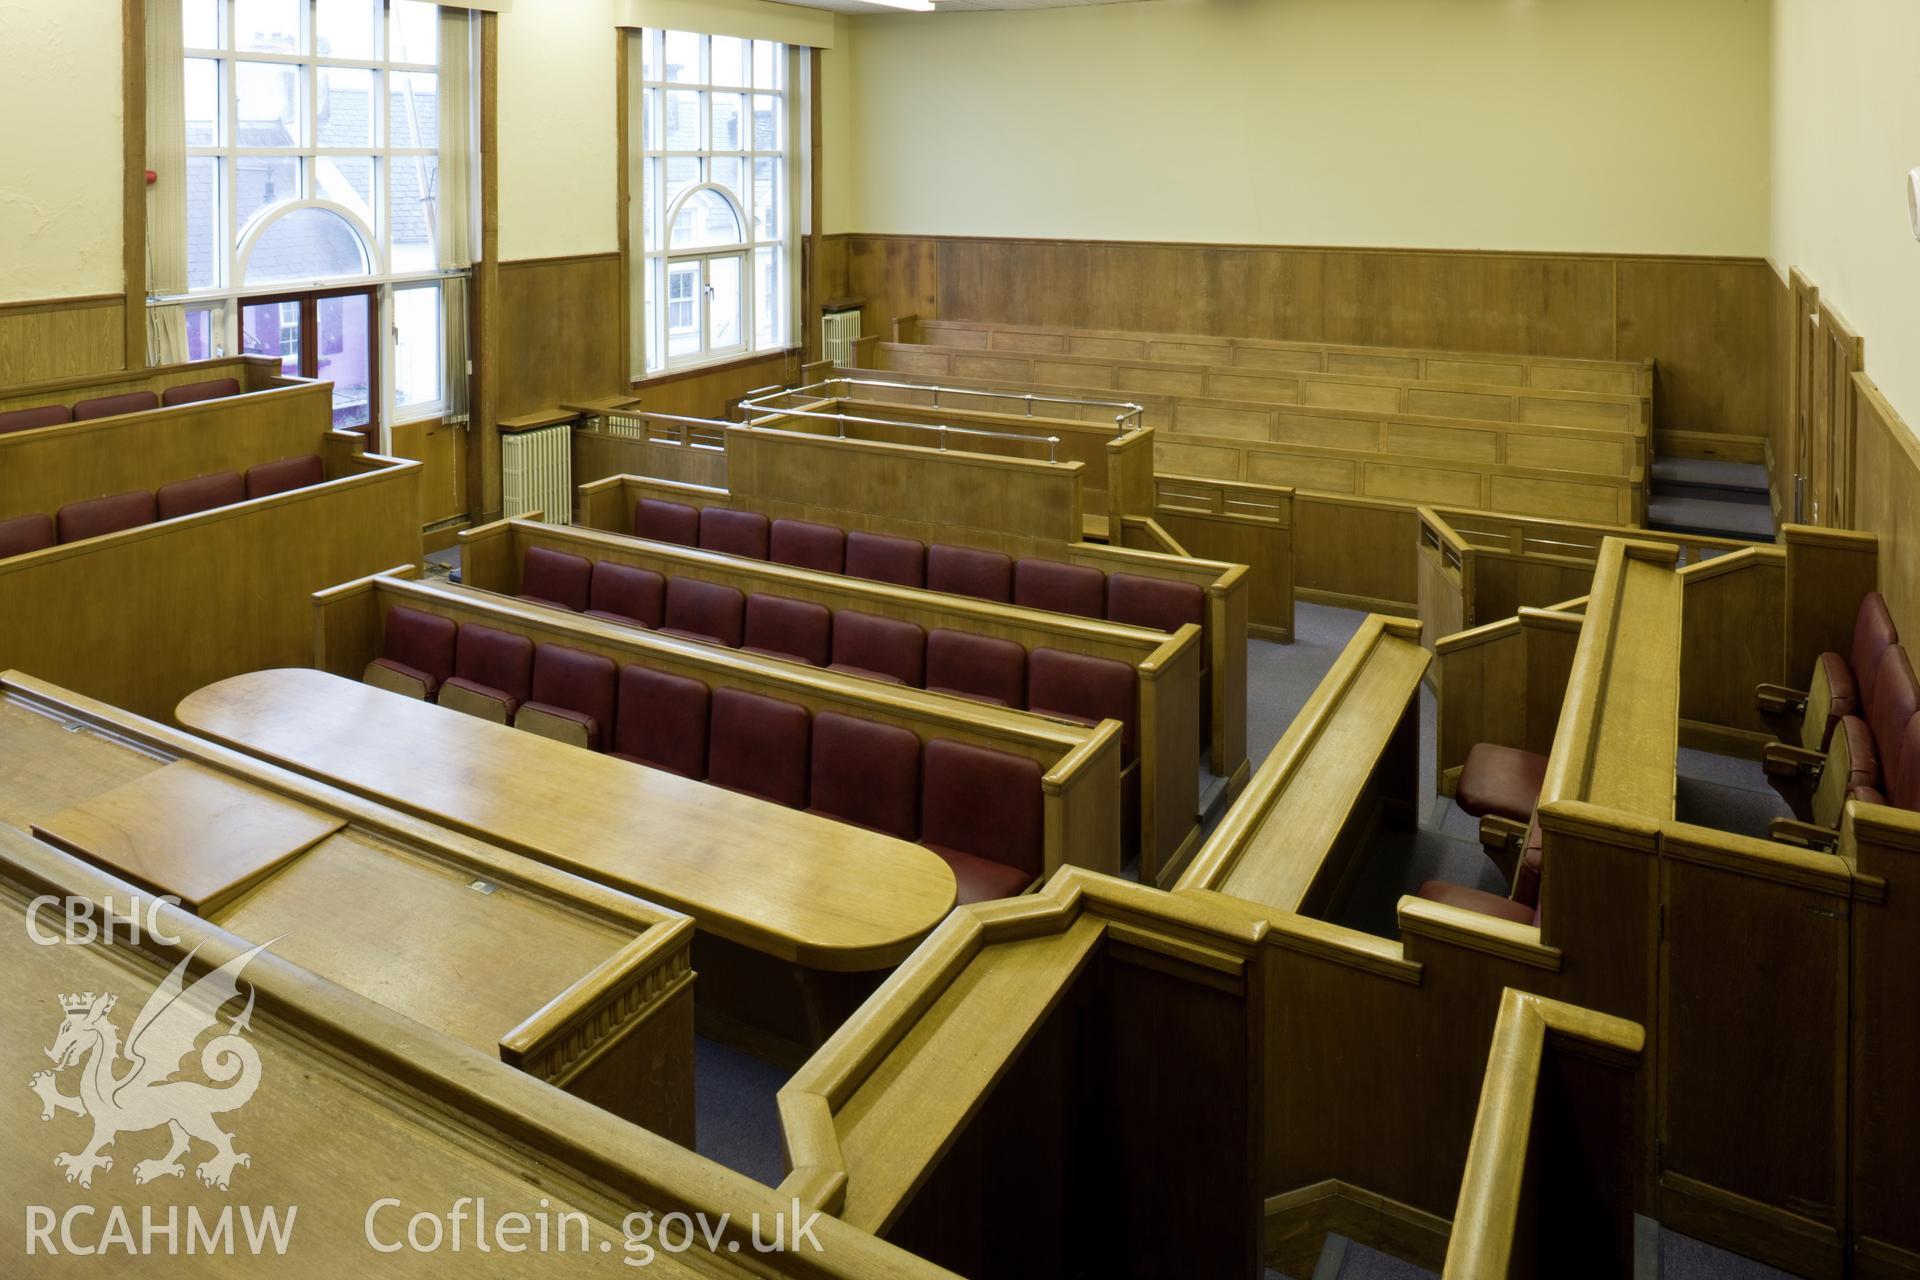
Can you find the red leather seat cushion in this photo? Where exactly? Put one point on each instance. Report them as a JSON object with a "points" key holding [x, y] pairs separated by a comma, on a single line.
{"points": [[1478, 900], [806, 545], [1863, 756], [420, 642], [22, 534], [1843, 693], [1083, 688], [735, 533], [666, 522], [98, 516], [867, 774], [983, 803], [41, 415], [202, 493], [884, 558], [758, 745], [194, 392], [706, 610], [627, 593], [1162, 605], [1873, 631], [891, 647], [1060, 587], [662, 721], [578, 684], [112, 406], [494, 662], [285, 475], [981, 879], [987, 668], [970, 571], [556, 578], [1903, 779], [797, 629], [1504, 781]]}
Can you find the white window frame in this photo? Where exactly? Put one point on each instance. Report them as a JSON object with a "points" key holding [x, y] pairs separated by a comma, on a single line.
{"points": [[227, 295], [652, 355]]}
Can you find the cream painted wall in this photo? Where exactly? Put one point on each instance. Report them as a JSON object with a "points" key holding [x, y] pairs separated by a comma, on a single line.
{"points": [[836, 132], [1846, 129], [60, 193], [1602, 125], [559, 145]]}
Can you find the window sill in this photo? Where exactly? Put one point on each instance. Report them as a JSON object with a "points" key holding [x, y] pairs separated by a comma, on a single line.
{"points": [[713, 366]]}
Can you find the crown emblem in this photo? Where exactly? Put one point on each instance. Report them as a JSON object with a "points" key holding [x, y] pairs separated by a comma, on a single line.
{"points": [[82, 1003]]}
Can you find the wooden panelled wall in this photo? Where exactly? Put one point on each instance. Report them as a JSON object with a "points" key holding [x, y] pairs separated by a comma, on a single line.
{"points": [[1705, 320], [62, 338]]}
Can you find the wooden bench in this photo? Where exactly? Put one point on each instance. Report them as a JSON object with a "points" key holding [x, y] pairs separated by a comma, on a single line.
{"points": [[1167, 666], [1478, 368], [410, 1120], [141, 390], [1348, 764], [609, 504], [141, 616], [582, 987]]}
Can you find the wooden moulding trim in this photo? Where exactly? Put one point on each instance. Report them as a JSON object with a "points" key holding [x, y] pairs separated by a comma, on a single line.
{"points": [[383, 470], [1382, 957], [1808, 535], [1214, 862], [1456, 926], [1897, 829], [524, 264], [1757, 859], [582, 1024], [1473, 637], [1541, 255], [1550, 620], [87, 302], [988, 461], [1734, 562], [1595, 822]]}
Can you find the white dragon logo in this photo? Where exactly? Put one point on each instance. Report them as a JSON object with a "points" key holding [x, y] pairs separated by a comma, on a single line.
{"points": [[145, 1095]]}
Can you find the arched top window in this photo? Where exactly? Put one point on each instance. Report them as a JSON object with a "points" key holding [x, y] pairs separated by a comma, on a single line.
{"points": [[706, 217], [305, 242]]}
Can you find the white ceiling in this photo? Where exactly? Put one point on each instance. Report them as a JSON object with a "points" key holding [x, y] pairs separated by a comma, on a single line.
{"points": [[948, 6]]}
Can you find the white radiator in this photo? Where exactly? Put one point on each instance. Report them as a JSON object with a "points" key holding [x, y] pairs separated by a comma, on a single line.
{"points": [[839, 330], [537, 472]]}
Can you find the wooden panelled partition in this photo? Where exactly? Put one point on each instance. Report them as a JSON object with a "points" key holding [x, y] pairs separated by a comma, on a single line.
{"points": [[1886, 494], [62, 338], [1704, 321]]}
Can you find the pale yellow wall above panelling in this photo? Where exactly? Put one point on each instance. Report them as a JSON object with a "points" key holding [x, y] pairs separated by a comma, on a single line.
{"points": [[60, 147], [559, 150], [1573, 125], [1846, 129]]}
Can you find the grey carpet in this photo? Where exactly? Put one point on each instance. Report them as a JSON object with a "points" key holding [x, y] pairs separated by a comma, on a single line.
{"points": [[736, 1122]]}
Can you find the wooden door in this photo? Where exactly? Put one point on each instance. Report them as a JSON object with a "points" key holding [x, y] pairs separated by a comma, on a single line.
{"points": [[1806, 322], [1842, 356]]}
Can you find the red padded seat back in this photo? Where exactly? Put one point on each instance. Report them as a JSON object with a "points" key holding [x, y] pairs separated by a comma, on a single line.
{"points": [[707, 610], [495, 659], [112, 406], [194, 392], [628, 593], [983, 802], [758, 745], [1139, 601], [666, 522], [22, 534], [420, 641], [867, 774], [736, 533], [1896, 698], [571, 680], [41, 415], [798, 629], [557, 578], [806, 545], [662, 721], [285, 475], [987, 668], [1873, 632], [97, 516], [202, 493], [1903, 781], [1060, 587], [970, 571], [881, 557], [1080, 687], [888, 646]]}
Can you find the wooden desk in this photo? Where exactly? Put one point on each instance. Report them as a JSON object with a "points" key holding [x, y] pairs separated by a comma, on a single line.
{"points": [[354, 1105], [585, 988]]}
